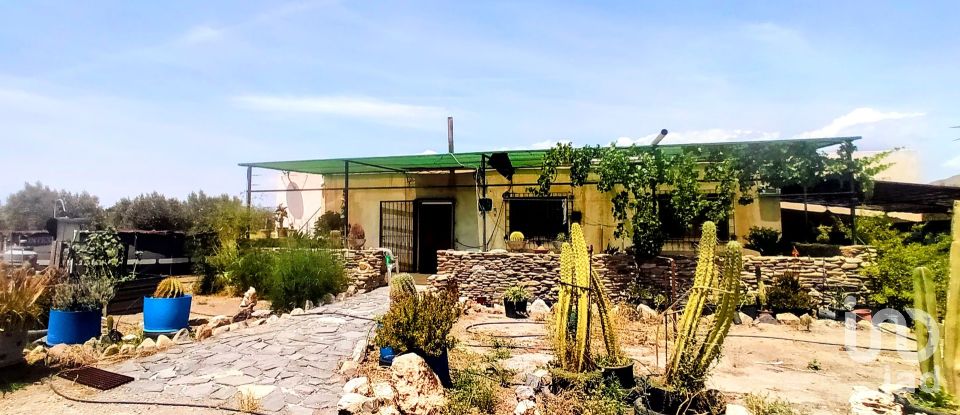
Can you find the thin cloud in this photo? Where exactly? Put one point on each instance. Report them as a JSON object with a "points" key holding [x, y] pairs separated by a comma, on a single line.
{"points": [[354, 107], [201, 34], [857, 117], [953, 163]]}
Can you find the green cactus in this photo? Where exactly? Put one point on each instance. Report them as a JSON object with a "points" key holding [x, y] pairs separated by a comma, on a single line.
{"points": [[170, 287], [925, 300], [575, 299], [729, 300], [706, 267], [402, 286], [951, 323], [516, 236]]}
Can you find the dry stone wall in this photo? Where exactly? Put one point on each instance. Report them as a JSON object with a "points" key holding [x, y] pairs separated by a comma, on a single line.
{"points": [[484, 276], [366, 268]]}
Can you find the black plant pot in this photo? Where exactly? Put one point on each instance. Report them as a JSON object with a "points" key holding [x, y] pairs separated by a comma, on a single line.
{"points": [[909, 407], [441, 366], [750, 310], [623, 375], [655, 400], [515, 309]]}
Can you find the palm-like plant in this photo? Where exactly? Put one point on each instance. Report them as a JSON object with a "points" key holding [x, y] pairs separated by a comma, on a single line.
{"points": [[20, 290]]}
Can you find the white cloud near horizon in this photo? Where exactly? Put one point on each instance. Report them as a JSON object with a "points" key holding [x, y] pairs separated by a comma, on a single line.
{"points": [[712, 135], [857, 117], [343, 106]]}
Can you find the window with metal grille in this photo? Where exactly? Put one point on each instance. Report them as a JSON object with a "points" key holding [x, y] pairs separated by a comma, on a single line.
{"points": [[539, 218]]}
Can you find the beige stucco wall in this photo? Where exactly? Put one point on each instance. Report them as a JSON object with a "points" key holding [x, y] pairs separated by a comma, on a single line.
{"points": [[598, 223]]}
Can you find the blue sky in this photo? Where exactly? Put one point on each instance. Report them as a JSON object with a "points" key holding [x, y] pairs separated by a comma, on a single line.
{"points": [[122, 98]]}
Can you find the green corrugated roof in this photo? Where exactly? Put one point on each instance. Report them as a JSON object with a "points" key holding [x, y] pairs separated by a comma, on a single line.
{"points": [[446, 161]]}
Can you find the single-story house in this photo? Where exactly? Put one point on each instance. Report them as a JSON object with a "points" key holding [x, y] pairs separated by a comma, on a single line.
{"points": [[416, 205]]}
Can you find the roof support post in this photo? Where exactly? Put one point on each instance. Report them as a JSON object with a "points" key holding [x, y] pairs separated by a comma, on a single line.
{"points": [[346, 197], [482, 178], [249, 184], [853, 191]]}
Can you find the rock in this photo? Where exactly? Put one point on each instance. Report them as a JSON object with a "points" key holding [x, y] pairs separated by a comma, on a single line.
{"points": [[204, 332], [348, 368], [538, 306], [766, 318], [260, 313], [736, 410], [359, 385], [273, 318], [389, 410], [218, 321], [110, 351], [864, 401], [308, 305], [164, 342], [539, 380], [182, 335], [646, 312], [384, 393], [249, 299], [526, 408], [129, 338], [147, 345], [788, 319], [127, 349], [352, 403], [745, 319], [220, 330], [418, 389], [285, 315], [296, 311], [864, 325], [524, 393]]}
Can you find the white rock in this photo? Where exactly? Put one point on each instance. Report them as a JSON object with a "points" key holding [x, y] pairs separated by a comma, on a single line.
{"points": [[418, 388], [360, 385], [352, 403], [538, 306], [164, 342], [864, 401], [389, 410], [737, 410], [348, 368], [296, 311], [864, 325], [147, 345], [788, 318], [540, 379], [129, 338], [218, 321], [646, 312], [893, 388], [526, 408], [260, 313], [524, 393], [745, 319], [385, 394]]}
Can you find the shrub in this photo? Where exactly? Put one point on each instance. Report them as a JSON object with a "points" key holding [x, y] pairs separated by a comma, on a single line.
{"points": [[472, 390], [329, 221], [765, 240], [252, 270], [299, 275], [761, 405], [420, 324], [20, 291], [787, 294]]}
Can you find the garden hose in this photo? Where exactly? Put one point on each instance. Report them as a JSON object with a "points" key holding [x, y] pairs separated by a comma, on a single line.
{"points": [[757, 336]]}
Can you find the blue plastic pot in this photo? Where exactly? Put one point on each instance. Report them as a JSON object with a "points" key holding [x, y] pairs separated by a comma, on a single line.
{"points": [[166, 315], [386, 356], [72, 327]]}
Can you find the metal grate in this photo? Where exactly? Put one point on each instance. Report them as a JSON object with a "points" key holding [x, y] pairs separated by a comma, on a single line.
{"points": [[396, 231], [95, 378]]}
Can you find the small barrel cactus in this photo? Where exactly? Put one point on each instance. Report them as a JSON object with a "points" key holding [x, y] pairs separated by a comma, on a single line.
{"points": [[402, 286], [516, 236], [170, 287]]}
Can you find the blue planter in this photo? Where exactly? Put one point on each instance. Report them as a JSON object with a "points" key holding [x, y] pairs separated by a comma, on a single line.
{"points": [[72, 327], [386, 356], [166, 315]]}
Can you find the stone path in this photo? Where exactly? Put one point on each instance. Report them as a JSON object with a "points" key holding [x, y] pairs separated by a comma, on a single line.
{"points": [[290, 364]]}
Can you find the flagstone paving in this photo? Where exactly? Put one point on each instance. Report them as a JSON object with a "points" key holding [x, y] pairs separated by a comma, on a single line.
{"points": [[290, 364]]}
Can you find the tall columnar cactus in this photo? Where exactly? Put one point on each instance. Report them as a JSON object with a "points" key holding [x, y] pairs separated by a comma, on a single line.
{"points": [[729, 299], [579, 290], [951, 323], [170, 287], [402, 286], [926, 322], [706, 267]]}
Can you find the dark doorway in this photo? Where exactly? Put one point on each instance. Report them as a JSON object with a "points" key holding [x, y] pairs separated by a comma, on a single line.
{"points": [[434, 232]]}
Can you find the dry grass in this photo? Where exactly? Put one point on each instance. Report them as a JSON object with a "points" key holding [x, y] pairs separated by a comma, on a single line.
{"points": [[20, 289], [762, 405], [247, 402]]}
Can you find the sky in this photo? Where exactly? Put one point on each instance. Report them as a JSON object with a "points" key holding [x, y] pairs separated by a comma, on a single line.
{"points": [[122, 98]]}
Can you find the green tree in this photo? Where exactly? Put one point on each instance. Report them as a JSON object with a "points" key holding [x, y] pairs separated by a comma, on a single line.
{"points": [[152, 211], [32, 206]]}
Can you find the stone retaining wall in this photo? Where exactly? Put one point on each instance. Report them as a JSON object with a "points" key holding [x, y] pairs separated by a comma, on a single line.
{"points": [[367, 268], [485, 275]]}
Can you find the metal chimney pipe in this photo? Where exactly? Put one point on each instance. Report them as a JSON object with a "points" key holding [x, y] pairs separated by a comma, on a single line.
{"points": [[450, 135], [663, 133]]}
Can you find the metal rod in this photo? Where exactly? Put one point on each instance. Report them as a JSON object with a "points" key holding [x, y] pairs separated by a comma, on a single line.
{"points": [[450, 135], [249, 184], [376, 166], [441, 186]]}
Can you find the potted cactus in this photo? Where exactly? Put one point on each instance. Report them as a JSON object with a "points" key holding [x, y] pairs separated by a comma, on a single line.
{"points": [[515, 301], [516, 242], [168, 310]]}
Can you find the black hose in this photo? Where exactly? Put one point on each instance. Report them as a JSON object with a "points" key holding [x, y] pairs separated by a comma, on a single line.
{"points": [[757, 336], [175, 404], [503, 336]]}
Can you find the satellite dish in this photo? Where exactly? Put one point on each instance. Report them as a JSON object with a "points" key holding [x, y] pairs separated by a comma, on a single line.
{"points": [[294, 201]]}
